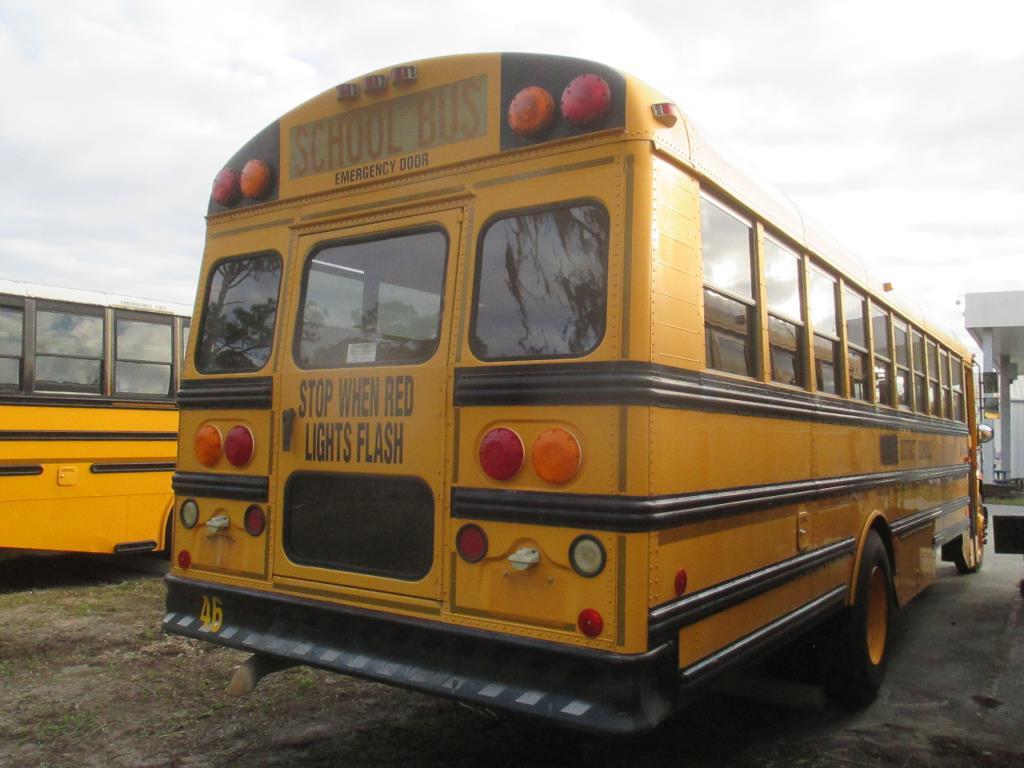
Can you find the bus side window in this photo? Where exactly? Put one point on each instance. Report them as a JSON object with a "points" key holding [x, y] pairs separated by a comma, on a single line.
{"points": [[902, 363], [883, 354], [958, 387], [821, 292], [934, 397], [12, 327], [782, 270], [920, 387], [726, 250], [142, 361], [69, 351], [856, 343]]}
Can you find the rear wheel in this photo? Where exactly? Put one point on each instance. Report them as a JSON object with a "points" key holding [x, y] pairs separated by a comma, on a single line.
{"points": [[856, 653]]}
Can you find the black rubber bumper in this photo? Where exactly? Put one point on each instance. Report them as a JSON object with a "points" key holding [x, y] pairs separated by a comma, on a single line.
{"points": [[577, 687]]}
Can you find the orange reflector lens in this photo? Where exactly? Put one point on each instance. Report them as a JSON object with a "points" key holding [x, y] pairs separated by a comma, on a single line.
{"points": [[556, 455], [255, 181], [531, 112], [207, 445], [590, 622]]}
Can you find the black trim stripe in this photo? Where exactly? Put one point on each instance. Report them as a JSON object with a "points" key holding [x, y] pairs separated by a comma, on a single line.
{"points": [[226, 393], [919, 520], [81, 436], [632, 383], [72, 401], [138, 466], [239, 487], [20, 470], [649, 513], [764, 639], [669, 618], [131, 547]]}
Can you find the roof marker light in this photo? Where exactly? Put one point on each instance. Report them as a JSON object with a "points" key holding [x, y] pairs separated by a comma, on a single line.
{"points": [[255, 180], [666, 113], [348, 91], [586, 100], [531, 112], [376, 83], [404, 75]]}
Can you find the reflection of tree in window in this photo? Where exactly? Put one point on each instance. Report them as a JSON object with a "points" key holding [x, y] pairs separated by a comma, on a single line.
{"points": [[542, 284], [240, 312]]}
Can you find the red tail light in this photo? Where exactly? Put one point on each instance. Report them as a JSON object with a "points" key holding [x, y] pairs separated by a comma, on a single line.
{"points": [[238, 445], [681, 581], [226, 188], [471, 543], [255, 521], [586, 100], [184, 560], [501, 453], [590, 622]]}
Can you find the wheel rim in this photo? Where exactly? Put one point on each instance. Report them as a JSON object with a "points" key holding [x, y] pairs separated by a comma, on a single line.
{"points": [[878, 614]]}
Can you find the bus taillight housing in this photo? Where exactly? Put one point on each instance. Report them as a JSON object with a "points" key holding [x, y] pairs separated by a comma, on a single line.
{"points": [[501, 453], [238, 445]]}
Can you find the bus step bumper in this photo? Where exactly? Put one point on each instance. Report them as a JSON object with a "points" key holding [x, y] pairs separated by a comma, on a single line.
{"points": [[579, 688]]}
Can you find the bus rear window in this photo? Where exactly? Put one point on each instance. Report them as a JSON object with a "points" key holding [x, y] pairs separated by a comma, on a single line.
{"points": [[238, 318], [373, 301], [541, 284]]}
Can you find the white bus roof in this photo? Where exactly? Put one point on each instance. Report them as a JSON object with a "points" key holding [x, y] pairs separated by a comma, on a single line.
{"points": [[96, 298]]}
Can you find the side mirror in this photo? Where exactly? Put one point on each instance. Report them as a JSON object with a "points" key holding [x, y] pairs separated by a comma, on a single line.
{"points": [[985, 433]]}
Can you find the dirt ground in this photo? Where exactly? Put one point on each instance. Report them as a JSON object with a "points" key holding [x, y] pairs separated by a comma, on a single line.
{"points": [[88, 679]]}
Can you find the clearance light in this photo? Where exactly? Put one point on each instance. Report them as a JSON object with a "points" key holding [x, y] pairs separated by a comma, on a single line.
{"points": [[471, 543], [666, 113], [586, 100], [348, 91], [376, 83], [531, 112], [404, 75], [255, 180], [587, 556], [255, 521], [238, 445], [501, 453], [590, 622], [184, 560], [681, 581], [207, 445], [225, 188], [556, 455], [189, 513]]}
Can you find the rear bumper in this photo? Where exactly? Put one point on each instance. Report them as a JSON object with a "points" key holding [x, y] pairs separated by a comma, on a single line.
{"points": [[577, 687]]}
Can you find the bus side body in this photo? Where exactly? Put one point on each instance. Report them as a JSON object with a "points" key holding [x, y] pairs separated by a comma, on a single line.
{"points": [[87, 462], [403, 512]]}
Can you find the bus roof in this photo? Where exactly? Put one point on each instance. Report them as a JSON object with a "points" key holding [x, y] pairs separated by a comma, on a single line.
{"points": [[423, 115], [94, 298]]}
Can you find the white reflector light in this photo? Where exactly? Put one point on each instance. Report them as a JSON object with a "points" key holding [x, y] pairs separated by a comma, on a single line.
{"points": [[587, 556]]}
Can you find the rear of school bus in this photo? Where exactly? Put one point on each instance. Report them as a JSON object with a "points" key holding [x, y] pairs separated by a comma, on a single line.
{"points": [[365, 482]]}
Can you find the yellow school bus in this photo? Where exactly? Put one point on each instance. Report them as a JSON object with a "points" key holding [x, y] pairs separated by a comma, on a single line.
{"points": [[88, 427], [507, 388]]}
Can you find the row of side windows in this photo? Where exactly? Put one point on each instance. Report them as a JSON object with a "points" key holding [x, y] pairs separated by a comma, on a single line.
{"points": [[61, 348], [901, 367]]}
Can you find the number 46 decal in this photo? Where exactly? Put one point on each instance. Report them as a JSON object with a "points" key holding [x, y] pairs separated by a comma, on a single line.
{"points": [[212, 615]]}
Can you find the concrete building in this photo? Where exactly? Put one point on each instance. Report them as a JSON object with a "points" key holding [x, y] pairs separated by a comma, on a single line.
{"points": [[996, 322]]}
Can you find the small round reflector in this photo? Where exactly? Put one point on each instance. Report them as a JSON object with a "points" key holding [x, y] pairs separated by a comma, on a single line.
{"points": [[590, 622], [255, 180], [586, 100], [238, 445], [207, 445], [501, 453], [189, 513], [587, 556], [226, 187], [471, 543], [556, 455], [184, 559], [681, 581], [531, 112], [255, 521]]}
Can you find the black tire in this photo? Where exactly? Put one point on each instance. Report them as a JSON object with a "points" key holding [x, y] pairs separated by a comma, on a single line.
{"points": [[857, 645], [167, 537], [960, 560]]}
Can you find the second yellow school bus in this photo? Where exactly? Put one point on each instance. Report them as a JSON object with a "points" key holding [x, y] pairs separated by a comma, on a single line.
{"points": [[507, 388]]}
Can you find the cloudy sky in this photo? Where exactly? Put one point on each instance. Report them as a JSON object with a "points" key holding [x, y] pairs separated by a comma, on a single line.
{"points": [[896, 125]]}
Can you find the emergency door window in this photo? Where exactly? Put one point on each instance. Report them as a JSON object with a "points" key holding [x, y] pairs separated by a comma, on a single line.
{"points": [[375, 301]]}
